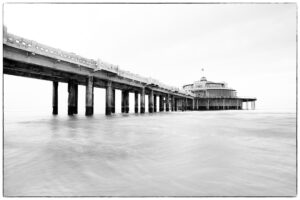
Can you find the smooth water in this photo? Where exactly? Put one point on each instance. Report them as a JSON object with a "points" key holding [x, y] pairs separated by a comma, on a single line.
{"points": [[216, 153]]}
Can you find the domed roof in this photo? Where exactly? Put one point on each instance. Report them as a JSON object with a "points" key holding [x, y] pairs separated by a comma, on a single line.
{"points": [[203, 79]]}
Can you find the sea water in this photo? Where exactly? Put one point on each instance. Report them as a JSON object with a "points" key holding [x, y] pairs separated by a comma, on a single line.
{"points": [[195, 153]]}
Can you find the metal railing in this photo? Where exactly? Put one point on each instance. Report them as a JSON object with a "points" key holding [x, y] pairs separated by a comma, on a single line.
{"points": [[60, 55]]}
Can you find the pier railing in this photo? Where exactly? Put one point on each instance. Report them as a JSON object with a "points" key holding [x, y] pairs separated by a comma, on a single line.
{"points": [[60, 55]]}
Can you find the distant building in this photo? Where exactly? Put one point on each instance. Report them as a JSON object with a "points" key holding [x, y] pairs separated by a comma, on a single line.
{"points": [[215, 96]]}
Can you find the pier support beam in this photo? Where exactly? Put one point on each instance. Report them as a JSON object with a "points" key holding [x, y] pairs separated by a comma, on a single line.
{"points": [[136, 103], [172, 103], [113, 106], [161, 103], [207, 104], [167, 102], [142, 100], [55, 98], [150, 101], [76, 99], [175, 104], [253, 108], [125, 101], [89, 97], [109, 98], [72, 97], [154, 103]]}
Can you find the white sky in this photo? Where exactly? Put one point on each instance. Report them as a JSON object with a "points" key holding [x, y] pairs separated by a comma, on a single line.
{"points": [[252, 47]]}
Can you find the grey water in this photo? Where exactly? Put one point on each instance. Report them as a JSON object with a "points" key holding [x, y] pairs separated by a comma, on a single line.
{"points": [[208, 153]]}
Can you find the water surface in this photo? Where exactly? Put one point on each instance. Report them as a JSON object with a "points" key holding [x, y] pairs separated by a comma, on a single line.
{"points": [[215, 153]]}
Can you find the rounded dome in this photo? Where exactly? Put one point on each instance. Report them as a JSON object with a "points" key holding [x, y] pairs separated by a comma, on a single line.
{"points": [[203, 79]]}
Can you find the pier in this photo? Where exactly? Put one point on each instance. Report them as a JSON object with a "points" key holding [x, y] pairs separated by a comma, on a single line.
{"points": [[28, 58]]}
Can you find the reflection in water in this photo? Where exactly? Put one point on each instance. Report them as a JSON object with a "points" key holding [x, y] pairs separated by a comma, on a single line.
{"points": [[226, 153]]}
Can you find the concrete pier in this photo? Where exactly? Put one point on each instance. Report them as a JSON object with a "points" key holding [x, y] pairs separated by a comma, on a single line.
{"points": [[161, 103], [136, 103], [125, 101], [175, 104], [27, 58], [89, 96], [154, 103], [167, 102], [150, 102], [142, 100], [113, 105], [109, 98], [55, 98], [72, 97]]}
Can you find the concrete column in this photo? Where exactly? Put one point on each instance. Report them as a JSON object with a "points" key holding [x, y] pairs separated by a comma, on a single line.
{"points": [[161, 103], [136, 103], [126, 101], [150, 102], [72, 97], [197, 104], [109, 98], [246, 105], [167, 102], [123, 101], [154, 103], [113, 106], [76, 99], [89, 96], [172, 103], [186, 104], [175, 104], [55, 98], [143, 100], [193, 104], [253, 105], [207, 105]]}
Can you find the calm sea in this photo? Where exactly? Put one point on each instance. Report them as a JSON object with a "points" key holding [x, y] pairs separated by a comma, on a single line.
{"points": [[215, 153]]}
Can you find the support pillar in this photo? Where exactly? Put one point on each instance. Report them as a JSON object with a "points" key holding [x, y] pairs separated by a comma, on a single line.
{"points": [[55, 98], [207, 105], [109, 98], [113, 106], [175, 104], [150, 101], [143, 100], [136, 103], [125, 101], [89, 97], [193, 104], [167, 102], [172, 103], [253, 105], [154, 103], [161, 103], [76, 99], [72, 97], [246, 105]]}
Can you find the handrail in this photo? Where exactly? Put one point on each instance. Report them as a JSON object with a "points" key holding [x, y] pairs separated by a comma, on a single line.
{"points": [[60, 55]]}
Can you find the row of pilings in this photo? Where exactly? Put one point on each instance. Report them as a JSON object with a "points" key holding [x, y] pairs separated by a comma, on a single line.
{"points": [[167, 102]]}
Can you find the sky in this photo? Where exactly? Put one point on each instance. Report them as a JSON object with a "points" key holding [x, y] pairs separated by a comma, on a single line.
{"points": [[252, 47]]}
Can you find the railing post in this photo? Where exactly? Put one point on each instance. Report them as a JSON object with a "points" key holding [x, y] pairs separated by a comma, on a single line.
{"points": [[55, 98], [89, 96]]}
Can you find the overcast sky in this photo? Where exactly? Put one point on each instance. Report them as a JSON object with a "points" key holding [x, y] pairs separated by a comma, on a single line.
{"points": [[252, 47]]}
